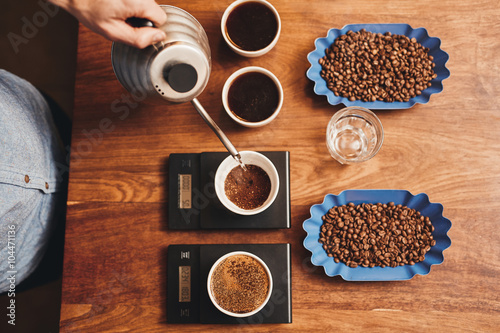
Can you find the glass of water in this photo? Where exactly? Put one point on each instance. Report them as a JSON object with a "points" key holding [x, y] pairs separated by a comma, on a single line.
{"points": [[354, 135]]}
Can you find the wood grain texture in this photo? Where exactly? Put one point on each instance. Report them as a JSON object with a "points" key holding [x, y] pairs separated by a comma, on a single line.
{"points": [[117, 235]]}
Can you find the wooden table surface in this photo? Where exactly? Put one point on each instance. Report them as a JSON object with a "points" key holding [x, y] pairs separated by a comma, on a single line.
{"points": [[117, 234]]}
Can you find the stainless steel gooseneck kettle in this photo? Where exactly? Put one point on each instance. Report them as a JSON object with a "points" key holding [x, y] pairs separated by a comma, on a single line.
{"points": [[176, 69]]}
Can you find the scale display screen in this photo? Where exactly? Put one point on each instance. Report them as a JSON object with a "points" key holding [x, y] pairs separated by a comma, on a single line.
{"points": [[184, 284], [185, 186]]}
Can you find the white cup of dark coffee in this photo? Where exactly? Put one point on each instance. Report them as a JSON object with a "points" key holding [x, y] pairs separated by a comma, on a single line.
{"points": [[237, 200], [251, 28], [252, 96], [239, 284]]}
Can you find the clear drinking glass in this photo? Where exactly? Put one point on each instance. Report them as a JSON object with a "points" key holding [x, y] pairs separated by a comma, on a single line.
{"points": [[354, 134]]}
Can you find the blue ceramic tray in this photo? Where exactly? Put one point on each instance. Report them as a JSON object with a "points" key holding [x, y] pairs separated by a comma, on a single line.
{"points": [[433, 43], [419, 202]]}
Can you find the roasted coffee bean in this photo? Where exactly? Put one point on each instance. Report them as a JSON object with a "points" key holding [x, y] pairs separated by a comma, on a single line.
{"points": [[369, 235], [373, 66]]}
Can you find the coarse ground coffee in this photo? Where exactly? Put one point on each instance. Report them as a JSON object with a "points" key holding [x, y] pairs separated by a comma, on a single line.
{"points": [[247, 189], [239, 284], [370, 235]]}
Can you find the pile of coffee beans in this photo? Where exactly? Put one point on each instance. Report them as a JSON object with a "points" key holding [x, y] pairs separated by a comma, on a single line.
{"points": [[374, 66], [369, 235]]}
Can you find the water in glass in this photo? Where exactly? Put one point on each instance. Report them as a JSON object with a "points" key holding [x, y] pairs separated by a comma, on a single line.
{"points": [[352, 138]]}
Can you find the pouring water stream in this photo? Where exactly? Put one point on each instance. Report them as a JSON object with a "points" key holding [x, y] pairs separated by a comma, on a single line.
{"points": [[222, 137]]}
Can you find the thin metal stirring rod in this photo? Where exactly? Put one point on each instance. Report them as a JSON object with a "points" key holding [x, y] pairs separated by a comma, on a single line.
{"points": [[222, 137]]}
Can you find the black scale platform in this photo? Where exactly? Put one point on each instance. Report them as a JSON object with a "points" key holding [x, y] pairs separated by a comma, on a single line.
{"points": [[193, 203], [187, 294]]}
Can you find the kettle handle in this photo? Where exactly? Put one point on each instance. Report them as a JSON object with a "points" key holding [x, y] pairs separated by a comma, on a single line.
{"points": [[138, 22]]}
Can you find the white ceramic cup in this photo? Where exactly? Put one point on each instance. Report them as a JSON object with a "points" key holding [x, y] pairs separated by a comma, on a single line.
{"points": [[247, 157], [209, 287], [238, 50], [229, 82]]}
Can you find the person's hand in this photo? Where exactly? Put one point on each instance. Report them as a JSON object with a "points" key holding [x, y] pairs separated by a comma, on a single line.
{"points": [[107, 17]]}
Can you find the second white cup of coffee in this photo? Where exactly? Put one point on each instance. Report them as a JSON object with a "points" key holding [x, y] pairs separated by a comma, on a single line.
{"points": [[252, 96]]}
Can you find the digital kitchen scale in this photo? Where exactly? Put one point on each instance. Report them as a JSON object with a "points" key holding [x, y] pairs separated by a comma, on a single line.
{"points": [[193, 203], [187, 294]]}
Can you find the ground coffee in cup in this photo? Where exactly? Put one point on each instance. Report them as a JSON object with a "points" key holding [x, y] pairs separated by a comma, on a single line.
{"points": [[247, 189], [240, 284]]}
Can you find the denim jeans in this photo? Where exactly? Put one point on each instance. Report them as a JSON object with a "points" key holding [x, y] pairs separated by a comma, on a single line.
{"points": [[31, 178]]}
